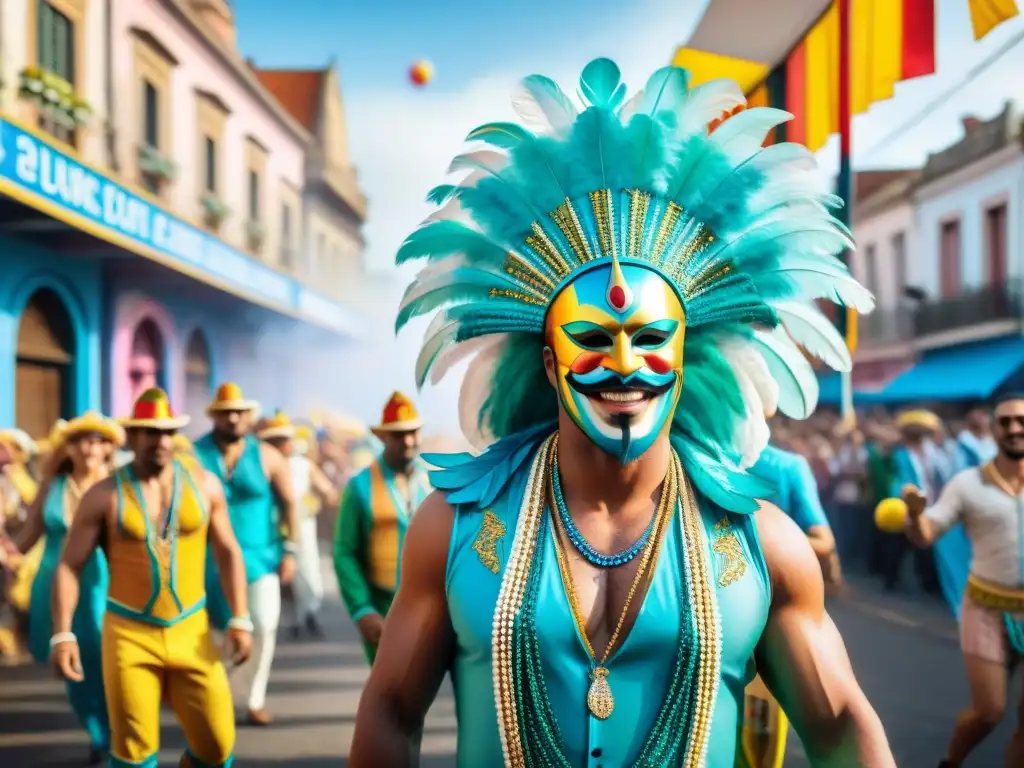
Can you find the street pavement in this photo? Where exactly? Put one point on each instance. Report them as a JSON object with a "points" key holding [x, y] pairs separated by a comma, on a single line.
{"points": [[903, 648]]}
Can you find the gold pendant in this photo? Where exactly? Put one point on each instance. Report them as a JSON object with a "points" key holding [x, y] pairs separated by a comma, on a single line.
{"points": [[599, 696]]}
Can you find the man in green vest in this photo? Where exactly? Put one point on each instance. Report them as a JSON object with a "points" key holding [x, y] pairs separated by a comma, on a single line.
{"points": [[375, 511]]}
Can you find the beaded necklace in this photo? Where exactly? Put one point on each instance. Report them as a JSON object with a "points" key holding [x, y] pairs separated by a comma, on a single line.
{"points": [[529, 732], [581, 544], [600, 701]]}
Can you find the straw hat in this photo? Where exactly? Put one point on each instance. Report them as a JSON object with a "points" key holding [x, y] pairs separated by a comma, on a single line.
{"points": [[278, 425], [229, 398], [97, 423], [19, 439], [921, 419], [153, 411], [400, 415]]}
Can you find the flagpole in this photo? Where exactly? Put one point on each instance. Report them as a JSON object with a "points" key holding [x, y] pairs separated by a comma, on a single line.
{"points": [[845, 319]]}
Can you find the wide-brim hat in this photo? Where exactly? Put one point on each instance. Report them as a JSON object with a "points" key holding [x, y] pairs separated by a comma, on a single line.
{"points": [[92, 422], [19, 439], [229, 398], [277, 426], [920, 419], [399, 415], [153, 411]]}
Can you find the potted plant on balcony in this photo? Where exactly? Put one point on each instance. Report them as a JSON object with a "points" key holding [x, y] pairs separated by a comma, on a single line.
{"points": [[255, 234], [214, 211], [30, 83], [154, 164]]}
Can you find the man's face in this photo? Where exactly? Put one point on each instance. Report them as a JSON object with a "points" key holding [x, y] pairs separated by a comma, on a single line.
{"points": [[1009, 429], [231, 425], [618, 365], [400, 448], [88, 450], [153, 448], [979, 420], [284, 444]]}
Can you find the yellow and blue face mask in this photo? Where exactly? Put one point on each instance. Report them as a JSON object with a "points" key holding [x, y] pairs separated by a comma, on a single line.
{"points": [[616, 334]]}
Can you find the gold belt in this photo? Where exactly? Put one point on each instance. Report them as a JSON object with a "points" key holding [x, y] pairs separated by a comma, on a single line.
{"points": [[996, 596]]}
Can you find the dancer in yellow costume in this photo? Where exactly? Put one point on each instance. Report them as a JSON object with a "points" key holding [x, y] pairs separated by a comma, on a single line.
{"points": [[154, 518]]}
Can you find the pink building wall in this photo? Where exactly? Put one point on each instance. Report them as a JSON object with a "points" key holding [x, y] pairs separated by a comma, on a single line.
{"points": [[130, 311]]}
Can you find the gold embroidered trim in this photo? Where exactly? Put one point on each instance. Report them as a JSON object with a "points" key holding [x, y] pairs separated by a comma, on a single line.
{"points": [[492, 530], [565, 217], [527, 274], [667, 225], [638, 205], [996, 596], [541, 243], [727, 545], [601, 202]]}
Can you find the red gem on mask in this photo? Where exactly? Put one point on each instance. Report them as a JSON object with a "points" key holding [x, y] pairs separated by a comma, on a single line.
{"points": [[617, 297], [657, 364]]}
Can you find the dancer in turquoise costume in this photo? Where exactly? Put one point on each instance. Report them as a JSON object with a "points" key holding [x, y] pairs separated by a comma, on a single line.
{"points": [[602, 581], [80, 460]]}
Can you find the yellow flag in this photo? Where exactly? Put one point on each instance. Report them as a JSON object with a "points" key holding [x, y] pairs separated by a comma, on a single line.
{"points": [[986, 15]]}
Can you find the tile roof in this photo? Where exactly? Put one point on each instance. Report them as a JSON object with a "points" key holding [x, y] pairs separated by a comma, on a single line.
{"points": [[298, 91], [868, 183]]}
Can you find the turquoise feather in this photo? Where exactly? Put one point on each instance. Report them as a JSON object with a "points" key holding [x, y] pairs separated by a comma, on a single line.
{"points": [[503, 135], [461, 285], [601, 84], [444, 238]]}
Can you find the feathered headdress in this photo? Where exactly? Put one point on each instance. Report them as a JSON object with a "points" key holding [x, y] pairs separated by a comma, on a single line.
{"points": [[742, 232]]}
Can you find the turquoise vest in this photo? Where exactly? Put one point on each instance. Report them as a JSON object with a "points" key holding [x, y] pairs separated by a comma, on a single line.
{"points": [[92, 601], [639, 671], [251, 505]]}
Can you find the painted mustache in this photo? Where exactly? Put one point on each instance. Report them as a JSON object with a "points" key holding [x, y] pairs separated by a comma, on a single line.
{"points": [[589, 384]]}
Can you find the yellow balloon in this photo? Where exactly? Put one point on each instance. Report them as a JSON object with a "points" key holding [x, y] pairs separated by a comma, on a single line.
{"points": [[891, 515]]}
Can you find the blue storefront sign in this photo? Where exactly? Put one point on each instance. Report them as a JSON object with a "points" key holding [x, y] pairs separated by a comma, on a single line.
{"points": [[41, 176]]}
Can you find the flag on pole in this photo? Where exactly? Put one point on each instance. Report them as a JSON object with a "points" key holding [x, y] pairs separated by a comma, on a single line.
{"points": [[890, 41]]}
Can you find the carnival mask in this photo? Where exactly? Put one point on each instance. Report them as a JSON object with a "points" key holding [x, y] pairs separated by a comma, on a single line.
{"points": [[616, 333]]}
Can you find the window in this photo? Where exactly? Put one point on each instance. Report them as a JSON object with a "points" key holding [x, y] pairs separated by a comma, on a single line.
{"points": [[150, 114], [871, 269], [899, 261], [949, 258], [254, 196], [286, 236], [55, 53], [995, 244], [211, 166]]}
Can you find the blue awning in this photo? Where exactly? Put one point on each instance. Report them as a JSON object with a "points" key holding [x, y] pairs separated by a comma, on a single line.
{"points": [[830, 391], [965, 372]]}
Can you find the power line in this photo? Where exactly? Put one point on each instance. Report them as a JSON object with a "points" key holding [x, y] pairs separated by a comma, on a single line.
{"points": [[972, 74]]}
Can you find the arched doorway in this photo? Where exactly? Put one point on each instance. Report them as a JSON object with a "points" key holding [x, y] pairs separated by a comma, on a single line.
{"points": [[198, 377], [145, 368], [45, 361]]}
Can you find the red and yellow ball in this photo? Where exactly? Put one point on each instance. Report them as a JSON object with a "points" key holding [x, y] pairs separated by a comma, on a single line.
{"points": [[421, 73]]}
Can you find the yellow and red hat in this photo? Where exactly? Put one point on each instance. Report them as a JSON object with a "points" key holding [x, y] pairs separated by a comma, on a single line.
{"points": [[400, 415], [97, 423], [153, 411], [229, 398], [278, 425], [920, 419]]}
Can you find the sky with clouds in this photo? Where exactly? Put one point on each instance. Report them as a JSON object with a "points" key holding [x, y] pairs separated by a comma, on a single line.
{"points": [[402, 138]]}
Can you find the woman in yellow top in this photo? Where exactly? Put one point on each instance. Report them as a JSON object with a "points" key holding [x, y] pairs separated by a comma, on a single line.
{"points": [[81, 459]]}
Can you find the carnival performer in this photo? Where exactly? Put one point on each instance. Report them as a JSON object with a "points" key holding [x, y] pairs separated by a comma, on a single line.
{"points": [[78, 459], [376, 508], [310, 488], [920, 462], [258, 486], [765, 728], [987, 501], [601, 578], [154, 519]]}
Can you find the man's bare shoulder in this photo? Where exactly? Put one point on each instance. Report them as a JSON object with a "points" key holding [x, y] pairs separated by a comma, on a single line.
{"points": [[101, 496], [212, 487], [791, 561], [430, 531]]}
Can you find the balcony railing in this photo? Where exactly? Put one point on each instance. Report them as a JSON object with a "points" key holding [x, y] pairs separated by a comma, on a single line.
{"points": [[885, 327], [978, 306]]}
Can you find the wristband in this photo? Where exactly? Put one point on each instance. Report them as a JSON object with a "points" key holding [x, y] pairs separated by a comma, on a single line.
{"points": [[241, 623], [62, 637]]}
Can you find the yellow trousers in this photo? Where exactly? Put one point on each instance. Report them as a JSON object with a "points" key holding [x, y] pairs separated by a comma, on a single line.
{"points": [[765, 727], [143, 664]]}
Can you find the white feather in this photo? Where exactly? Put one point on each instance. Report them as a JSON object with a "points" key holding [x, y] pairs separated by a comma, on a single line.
{"points": [[450, 211], [446, 264], [809, 328], [543, 107], [482, 158], [798, 385], [476, 386], [707, 102], [746, 361], [630, 107], [760, 394], [452, 356]]}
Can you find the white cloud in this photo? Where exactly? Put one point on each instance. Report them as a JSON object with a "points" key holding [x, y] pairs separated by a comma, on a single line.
{"points": [[402, 141]]}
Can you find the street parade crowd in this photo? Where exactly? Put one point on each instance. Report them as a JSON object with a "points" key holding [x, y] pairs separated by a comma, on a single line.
{"points": [[630, 565]]}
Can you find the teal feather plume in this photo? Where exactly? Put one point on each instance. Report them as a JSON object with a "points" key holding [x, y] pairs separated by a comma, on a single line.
{"points": [[502, 135], [444, 238], [601, 85], [543, 106], [460, 285], [798, 384]]}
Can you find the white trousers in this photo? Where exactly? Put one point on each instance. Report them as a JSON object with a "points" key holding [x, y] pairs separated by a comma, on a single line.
{"points": [[309, 585], [265, 611]]}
